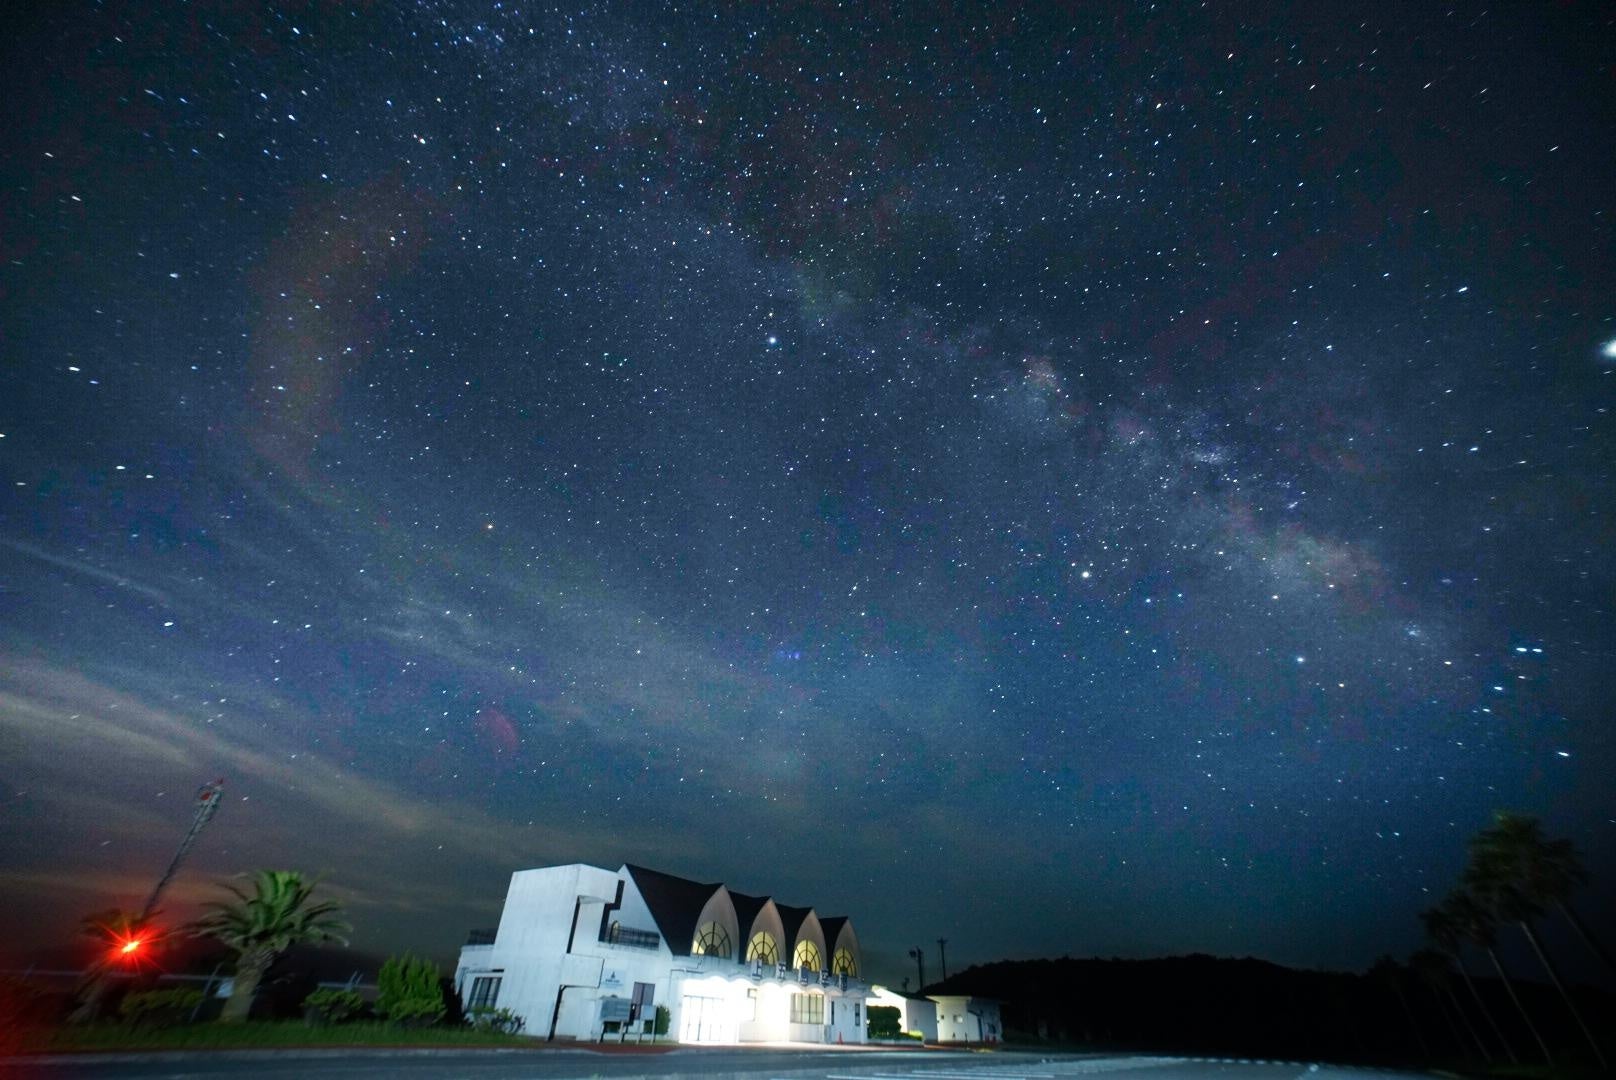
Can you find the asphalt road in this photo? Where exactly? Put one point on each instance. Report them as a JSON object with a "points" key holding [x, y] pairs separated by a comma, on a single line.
{"points": [[760, 1064]]}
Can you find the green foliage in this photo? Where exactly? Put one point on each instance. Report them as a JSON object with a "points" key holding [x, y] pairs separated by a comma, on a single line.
{"points": [[159, 1007], [488, 1018], [333, 1006], [409, 991], [884, 1021], [663, 1019], [259, 927], [1516, 871], [276, 916], [263, 1033]]}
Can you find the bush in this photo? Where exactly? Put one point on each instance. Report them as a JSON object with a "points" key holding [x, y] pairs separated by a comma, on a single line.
{"points": [[332, 1006], [885, 1021], [159, 1008], [488, 1018], [409, 992], [663, 1018]]}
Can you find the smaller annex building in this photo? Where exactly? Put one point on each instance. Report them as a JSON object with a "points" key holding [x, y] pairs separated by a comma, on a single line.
{"points": [[917, 1013], [581, 951], [965, 1019]]}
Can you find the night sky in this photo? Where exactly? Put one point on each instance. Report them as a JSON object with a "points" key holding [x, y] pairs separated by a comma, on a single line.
{"points": [[1126, 481]]}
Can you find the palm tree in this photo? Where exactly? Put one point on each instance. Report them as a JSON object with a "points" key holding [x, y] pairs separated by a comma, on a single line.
{"points": [[1389, 971], [260, 927], [1435, 969], [1446, 930], [1548, 870], [1513, 873], [1478, 925]]}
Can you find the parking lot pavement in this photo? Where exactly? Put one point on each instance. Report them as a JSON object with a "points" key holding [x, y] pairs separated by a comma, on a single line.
{"points": [[691, 1064]]}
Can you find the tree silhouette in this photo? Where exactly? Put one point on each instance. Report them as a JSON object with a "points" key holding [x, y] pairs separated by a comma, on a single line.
{"points": [[1435, 969], [1515, 873], [1479, 928], [1446, 930], [1389, 972], [114, 928]]}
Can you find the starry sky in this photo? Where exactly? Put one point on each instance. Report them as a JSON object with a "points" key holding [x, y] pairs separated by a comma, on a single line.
{"points": [[1129, 480]]}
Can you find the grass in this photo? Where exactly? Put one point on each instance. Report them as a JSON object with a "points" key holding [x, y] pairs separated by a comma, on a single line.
{"points": [[258, 1034]]}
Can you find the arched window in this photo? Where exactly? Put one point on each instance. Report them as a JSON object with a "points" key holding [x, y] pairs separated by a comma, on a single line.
{"points": [[844, 964], [807, 956], [762, 947], [712, 940]]}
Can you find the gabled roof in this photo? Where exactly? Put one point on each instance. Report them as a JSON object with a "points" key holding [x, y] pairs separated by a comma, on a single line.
{"points": [[746, 913], [791, 920], [832, 928], [675, 904]]}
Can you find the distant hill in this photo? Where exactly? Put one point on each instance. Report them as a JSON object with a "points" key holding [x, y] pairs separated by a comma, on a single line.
{"points": [[1248, 1008]]}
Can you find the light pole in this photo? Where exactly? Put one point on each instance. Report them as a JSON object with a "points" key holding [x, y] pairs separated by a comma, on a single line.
{"points": [[920, 965], [942, 955]]}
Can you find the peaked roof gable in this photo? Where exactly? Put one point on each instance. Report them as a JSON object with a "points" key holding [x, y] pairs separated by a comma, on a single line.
{"points": [[675, 903]]}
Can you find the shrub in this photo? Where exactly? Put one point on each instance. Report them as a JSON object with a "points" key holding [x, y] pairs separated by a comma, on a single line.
{"points": [[884, 1022], [331, 1006], [488, 1018], [159, 1008], [409, 991], [663, 1018]]}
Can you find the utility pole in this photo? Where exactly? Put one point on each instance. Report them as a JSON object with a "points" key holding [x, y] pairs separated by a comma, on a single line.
{"points": [[920, 965], [942, 955]]}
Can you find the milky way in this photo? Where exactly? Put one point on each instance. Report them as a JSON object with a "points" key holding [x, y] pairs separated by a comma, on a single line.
{"points": [[1128, 482]]}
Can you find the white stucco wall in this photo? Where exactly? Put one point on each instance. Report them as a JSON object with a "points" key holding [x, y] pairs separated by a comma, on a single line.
{"points": [[913, 1014], [529, 952], [543, 983], [967, 1019]]}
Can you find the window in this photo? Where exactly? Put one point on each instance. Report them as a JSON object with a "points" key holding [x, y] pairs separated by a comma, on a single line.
{"points": [[807, 1008], [855, 1014], [807, 956], [618, 934], [484, 992], [751, 1004], [844, 964], [762, 947], [712, 940]]}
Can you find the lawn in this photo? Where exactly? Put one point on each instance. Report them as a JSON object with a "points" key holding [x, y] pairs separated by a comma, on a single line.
{"points": [[256, 1034]]}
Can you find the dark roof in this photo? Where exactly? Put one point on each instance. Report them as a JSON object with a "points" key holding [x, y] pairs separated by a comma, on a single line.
{"points": [[675, 904], [746, 912], [832, 926], [791, 920]]}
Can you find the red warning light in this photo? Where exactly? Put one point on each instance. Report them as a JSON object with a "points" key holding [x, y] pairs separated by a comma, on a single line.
{"points": [[129, 948]]}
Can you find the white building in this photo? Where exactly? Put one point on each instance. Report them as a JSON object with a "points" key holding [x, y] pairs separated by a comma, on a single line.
{"points": [[917, 1014], [581, 951], [965, 1019]]}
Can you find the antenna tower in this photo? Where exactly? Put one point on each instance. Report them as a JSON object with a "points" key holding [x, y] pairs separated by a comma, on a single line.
{"points": [[207, 804]]}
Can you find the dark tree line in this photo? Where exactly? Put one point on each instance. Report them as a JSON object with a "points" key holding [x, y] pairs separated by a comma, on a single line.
{"points": [[1438, 1007]]}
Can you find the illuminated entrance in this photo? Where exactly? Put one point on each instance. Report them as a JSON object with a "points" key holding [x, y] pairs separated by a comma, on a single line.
{"points": [[707, 1020]]}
